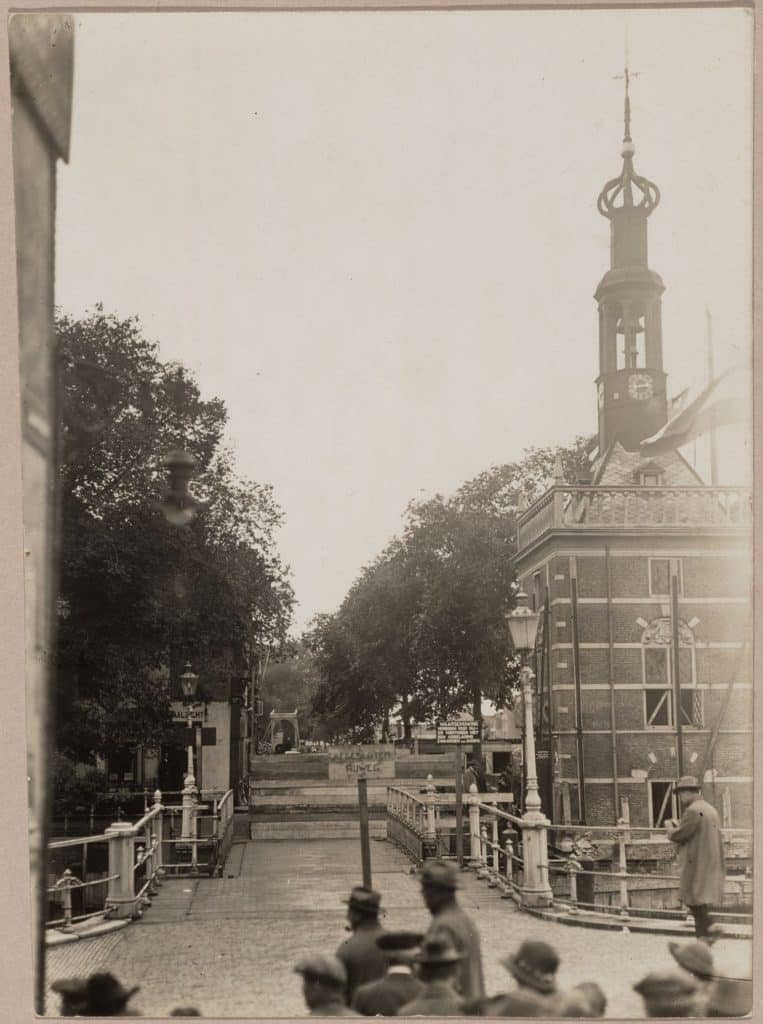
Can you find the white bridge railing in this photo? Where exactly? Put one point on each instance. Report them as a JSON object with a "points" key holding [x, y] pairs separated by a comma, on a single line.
{"points": [[128, 861]]}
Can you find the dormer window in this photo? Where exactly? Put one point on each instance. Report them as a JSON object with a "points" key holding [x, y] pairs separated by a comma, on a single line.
{"points": [[650, 479]]}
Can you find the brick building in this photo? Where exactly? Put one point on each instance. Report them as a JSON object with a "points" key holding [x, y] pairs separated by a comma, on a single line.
{"points": [[642, 572]]}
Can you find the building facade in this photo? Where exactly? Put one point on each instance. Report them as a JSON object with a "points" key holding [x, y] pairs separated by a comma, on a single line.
{"points": [[642, 572]]}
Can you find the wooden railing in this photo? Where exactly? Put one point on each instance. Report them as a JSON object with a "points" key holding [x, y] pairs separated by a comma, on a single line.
{"points": [[653, 508]]}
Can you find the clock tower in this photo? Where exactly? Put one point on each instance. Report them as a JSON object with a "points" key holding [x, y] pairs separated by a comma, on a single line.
{"points": [[631, 381]]}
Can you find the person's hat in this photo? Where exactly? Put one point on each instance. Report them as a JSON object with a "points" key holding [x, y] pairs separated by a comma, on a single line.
{"points": [[694, 957], [730, 997], [534, 964], [326, 968], [396, 941], [439, 873], [594, 996], [437, 951], [666, 991], [686, 782], [105, 994], [365, 900], [70, 986]]}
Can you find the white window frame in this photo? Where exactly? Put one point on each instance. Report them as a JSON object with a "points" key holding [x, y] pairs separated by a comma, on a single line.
{"points": [[668, 687], [671, 797]]}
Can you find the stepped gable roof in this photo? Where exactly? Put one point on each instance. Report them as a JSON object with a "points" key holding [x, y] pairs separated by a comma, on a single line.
{"points": [[617, 467]]}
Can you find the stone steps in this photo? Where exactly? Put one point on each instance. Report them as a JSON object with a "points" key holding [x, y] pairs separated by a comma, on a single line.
{"points": [[309, 829]]}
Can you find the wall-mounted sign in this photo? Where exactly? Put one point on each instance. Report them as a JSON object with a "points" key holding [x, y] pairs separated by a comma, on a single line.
{"points": [[371, 760], [457, 730], [182, 712]]}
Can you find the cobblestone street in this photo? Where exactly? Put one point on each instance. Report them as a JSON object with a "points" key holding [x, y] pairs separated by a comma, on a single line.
{"points": [[227, 946]]}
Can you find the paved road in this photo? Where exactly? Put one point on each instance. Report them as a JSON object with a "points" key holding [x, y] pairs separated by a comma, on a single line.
{"points": [[227, 946]]}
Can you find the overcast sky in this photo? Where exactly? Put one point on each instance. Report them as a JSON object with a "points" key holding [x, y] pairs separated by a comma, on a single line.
{"points": [[374, 235]]}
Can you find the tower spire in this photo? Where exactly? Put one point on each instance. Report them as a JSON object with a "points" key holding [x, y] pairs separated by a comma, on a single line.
{"points": [[627, 113]]}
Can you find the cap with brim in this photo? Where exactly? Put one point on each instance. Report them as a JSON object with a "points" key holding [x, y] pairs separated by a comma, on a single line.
{"points": [[325, 968], [686, 782], [437, 951], [70, 986], [398, 941], [694, 957], [534, 964], [365, 900], [440, 874]]}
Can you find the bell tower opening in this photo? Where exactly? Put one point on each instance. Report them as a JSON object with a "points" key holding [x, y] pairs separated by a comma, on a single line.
{"points": [[631, 381]]}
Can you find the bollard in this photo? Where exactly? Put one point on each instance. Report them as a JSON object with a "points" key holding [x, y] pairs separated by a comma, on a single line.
{"points": [[66, 883], [496, 849], [429, 844], [474, 828], [187, 830], [159, 833], [508, 889], [120, 898], [482, 871]]}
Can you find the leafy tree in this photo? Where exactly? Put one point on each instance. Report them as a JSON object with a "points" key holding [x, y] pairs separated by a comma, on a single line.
{"points": [[138, 596]]}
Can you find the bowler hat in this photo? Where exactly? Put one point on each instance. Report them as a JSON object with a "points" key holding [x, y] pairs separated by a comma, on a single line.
{"points": [[396, 941], [437, 951], [365, 900], [686, 782], [326, 968], [70, 986], [730, 997], [439, 873], [694, 957], [105, 994], [534, 964]]}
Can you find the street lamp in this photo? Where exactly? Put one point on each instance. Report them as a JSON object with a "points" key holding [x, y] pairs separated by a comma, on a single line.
{"points": [[178, 504], [536, 889], [188, 683]]}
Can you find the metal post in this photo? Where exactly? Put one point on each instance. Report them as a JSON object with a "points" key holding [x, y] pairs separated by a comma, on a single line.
{"points": [[120, 898], [482, 872], [536, 890], [365, 844], [459, 809], [159, 833], [429, 846], [474, 828], [509, 867], [623, 868], [573, 866], [676, 667], [578, 700], [66, 884]]}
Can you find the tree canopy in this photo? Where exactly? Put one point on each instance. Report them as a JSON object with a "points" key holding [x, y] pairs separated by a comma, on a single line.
{"points": [[422, 632], [138, 596]]}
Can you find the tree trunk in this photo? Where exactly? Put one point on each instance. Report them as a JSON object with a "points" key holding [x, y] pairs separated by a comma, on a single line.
{"points": [[405, 715]]}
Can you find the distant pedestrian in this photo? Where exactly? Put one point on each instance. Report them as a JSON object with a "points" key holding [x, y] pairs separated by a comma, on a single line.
{"points": [[73, 993], [106, 997], [701, 857], [438, 969], [398, 986], [363, 960], [324, 981], [439, 881], [669, 994]]}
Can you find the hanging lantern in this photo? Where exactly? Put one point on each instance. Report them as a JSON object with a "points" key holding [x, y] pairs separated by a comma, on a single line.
{"points": [[178, 504], [523, 623]]}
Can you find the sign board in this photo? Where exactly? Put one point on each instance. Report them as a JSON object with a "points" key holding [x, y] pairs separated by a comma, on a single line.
{"points": [[457, 730], [182, 712], [372, 760]]}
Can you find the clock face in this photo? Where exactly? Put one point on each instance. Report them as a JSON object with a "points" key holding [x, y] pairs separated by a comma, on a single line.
{"points": [[640, 386], [600, 391]]}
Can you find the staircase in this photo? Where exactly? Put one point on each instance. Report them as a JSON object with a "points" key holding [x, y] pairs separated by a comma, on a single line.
{"points": [[291, 796]]}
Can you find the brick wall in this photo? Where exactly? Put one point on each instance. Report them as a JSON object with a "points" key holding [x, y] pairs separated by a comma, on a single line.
{"points": [[715, 577]]}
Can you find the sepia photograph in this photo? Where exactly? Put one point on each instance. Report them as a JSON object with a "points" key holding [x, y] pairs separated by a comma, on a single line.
{"points": [[385, 399]]}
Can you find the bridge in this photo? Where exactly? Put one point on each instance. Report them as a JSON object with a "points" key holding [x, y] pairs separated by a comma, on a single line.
{"points": [[223, 934]]}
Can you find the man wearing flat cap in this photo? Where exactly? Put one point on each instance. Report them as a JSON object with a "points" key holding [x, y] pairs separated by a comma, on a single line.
{"points": [[438, 962], [668, 994], [386, 995], [439, 881], [363, 960], [701, 858], [324, 980]]}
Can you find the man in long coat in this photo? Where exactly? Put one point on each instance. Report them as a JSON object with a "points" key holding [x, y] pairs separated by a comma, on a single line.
{"points": [[701, 858], [439, 881], [363, 960]]}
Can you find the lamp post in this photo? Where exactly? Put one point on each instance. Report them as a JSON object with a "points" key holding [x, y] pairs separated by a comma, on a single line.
{"points": [[536, 890], [188, 682]]}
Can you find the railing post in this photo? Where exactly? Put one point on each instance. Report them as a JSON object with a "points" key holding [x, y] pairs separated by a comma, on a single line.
{"points": [[66, 884], [159, 833], [508, 890], [474, 828], [429, 845], [482, 871], [187, 830], [573, 866], [623, 869], [120, 898], [496, 855]]}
